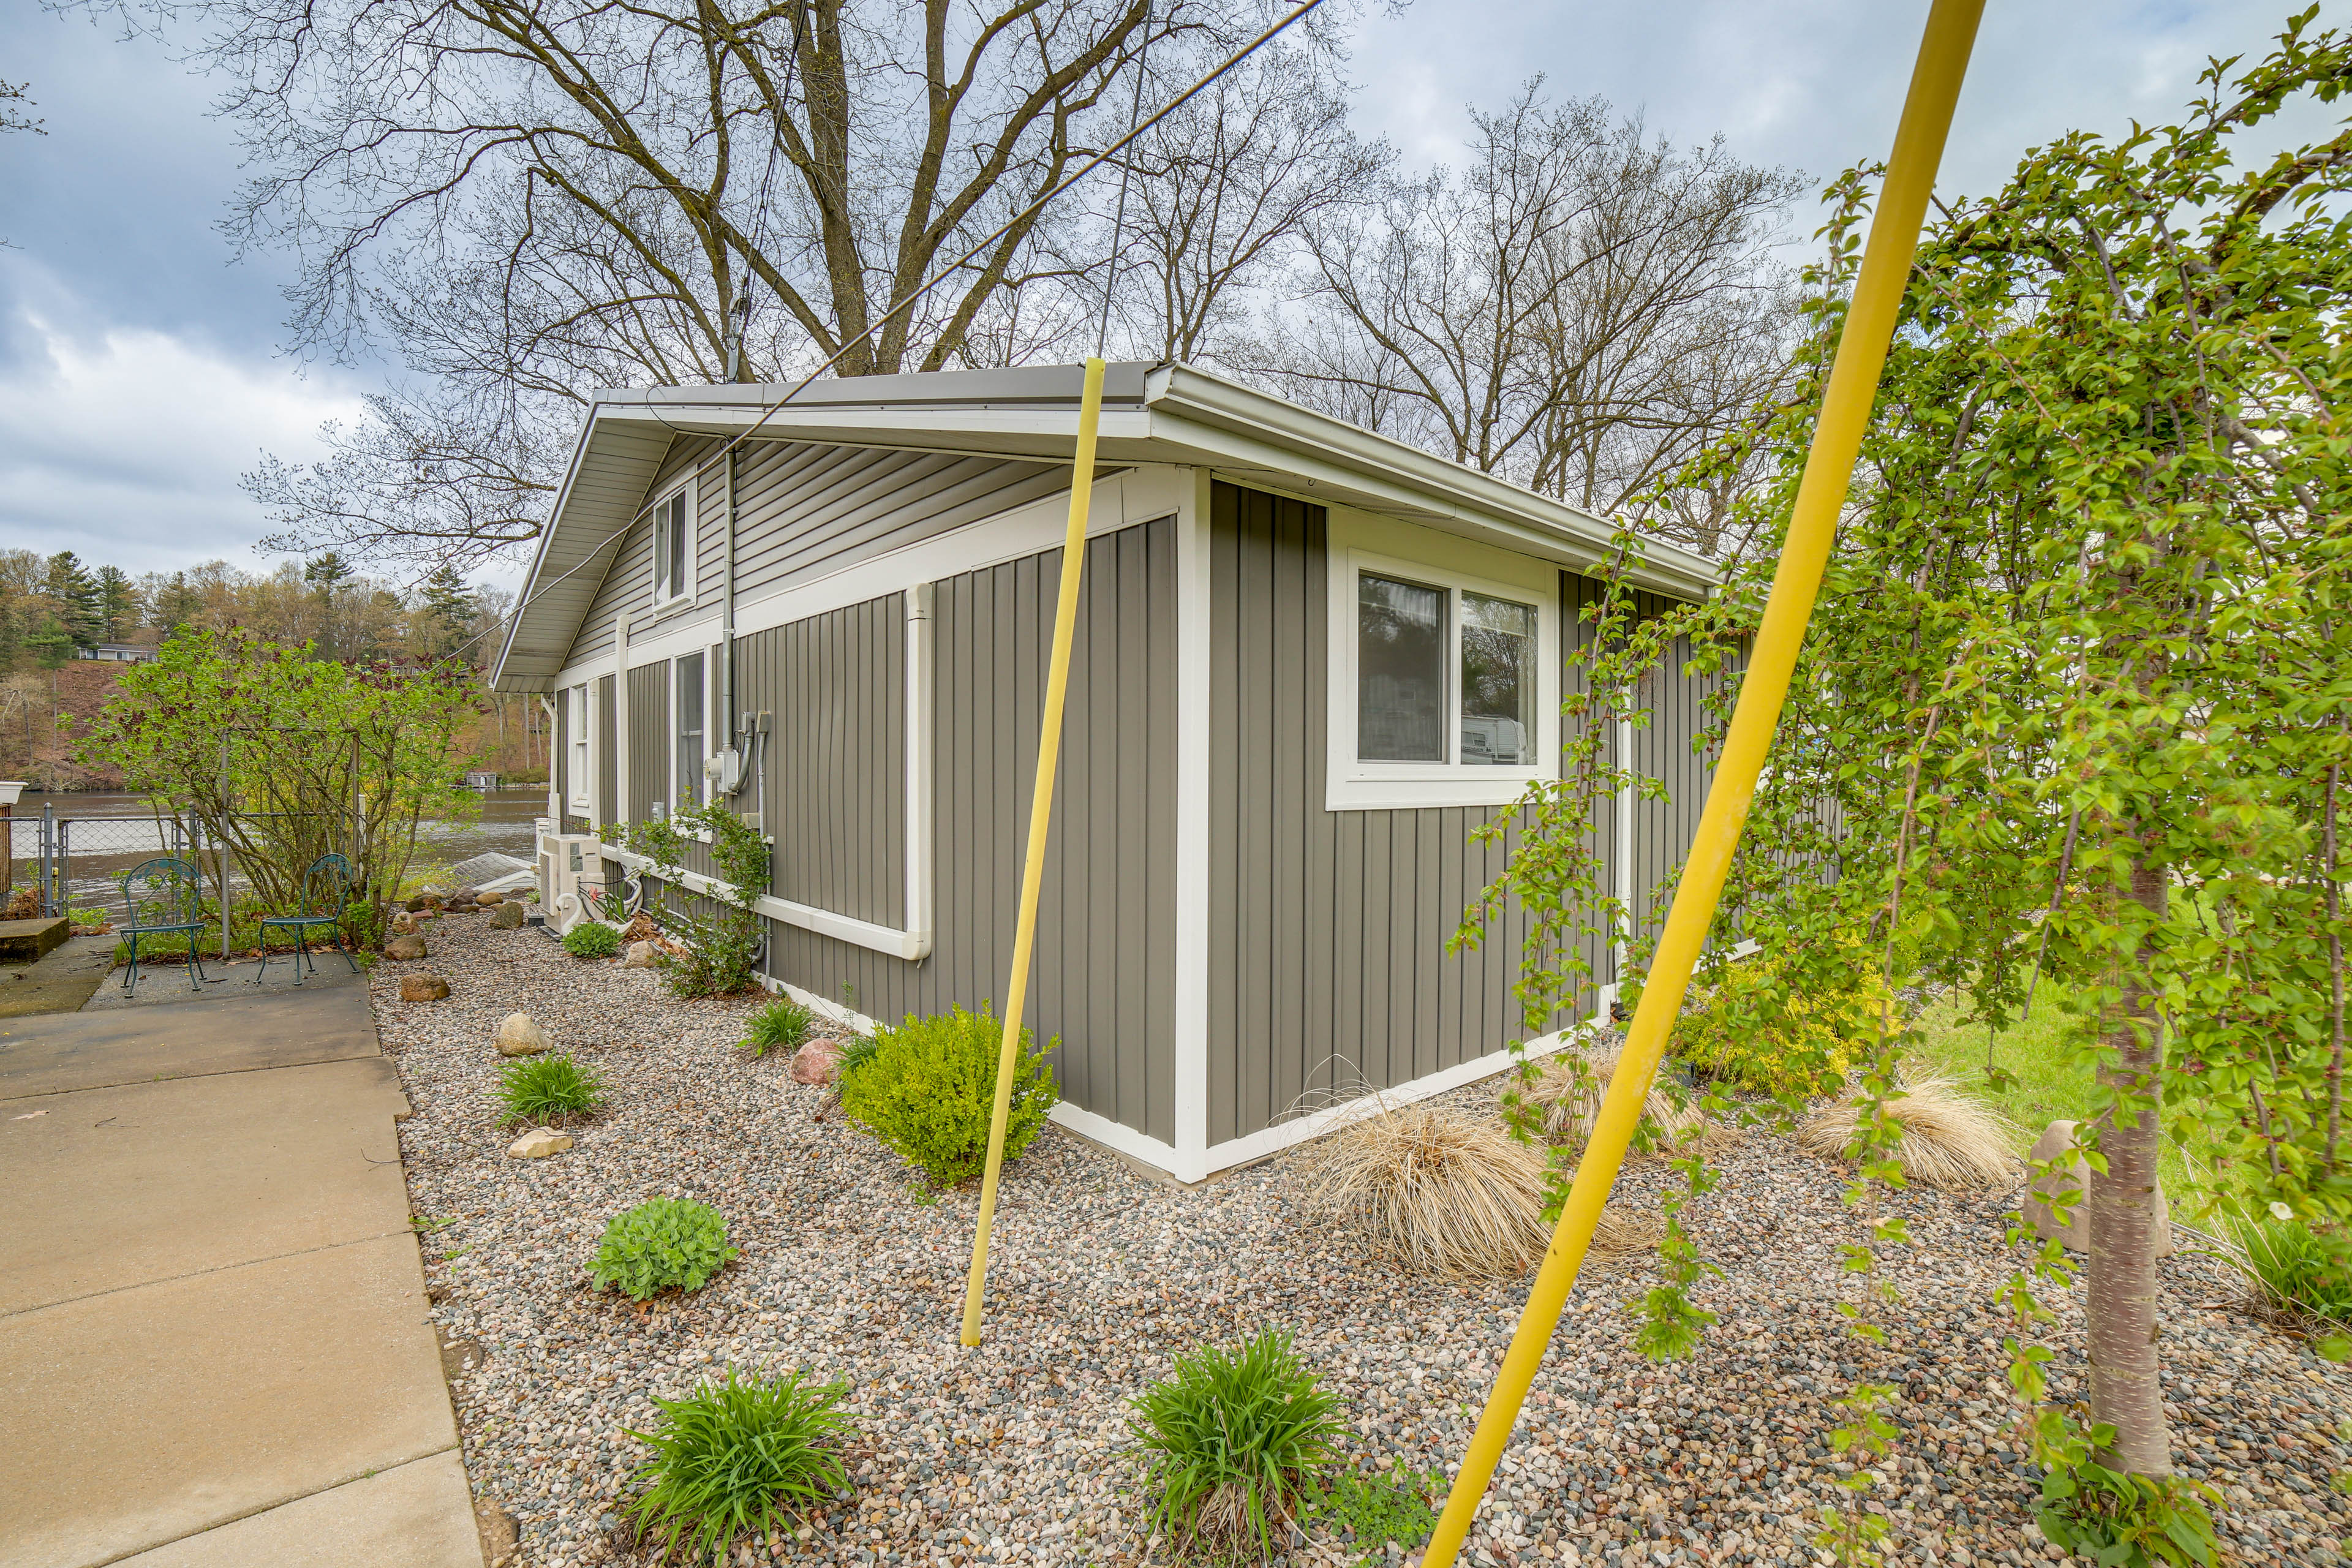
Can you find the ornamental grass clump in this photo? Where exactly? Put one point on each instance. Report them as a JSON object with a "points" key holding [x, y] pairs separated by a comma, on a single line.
{"points": [[591, 939], [545, 1090], [1443, 1192], [740, 1459], [781, 1026], [662, 1244], [928, 1089], [2294, 1275], [1950, 1140], [1567, 1092], [1232, 1445]]}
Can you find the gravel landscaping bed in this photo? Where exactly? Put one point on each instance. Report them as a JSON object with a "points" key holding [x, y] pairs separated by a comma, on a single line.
{"points": [[1012, 1452]]}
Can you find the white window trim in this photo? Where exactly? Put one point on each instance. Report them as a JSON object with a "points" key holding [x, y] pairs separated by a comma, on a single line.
{"points": [[582, 763], [1387, 547], [685, 596]]}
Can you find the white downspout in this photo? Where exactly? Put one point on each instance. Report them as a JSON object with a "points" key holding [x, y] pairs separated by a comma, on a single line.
{"points": [[919, 600]]}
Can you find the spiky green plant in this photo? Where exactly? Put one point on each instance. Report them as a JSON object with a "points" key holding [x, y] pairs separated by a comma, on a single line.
{"points": [[781, 1026], [1233, 1443], [739, 1458], [542, 1090]]}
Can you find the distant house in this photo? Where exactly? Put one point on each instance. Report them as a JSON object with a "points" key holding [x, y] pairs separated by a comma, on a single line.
{"points": [[1310, 661], [117, 653]]}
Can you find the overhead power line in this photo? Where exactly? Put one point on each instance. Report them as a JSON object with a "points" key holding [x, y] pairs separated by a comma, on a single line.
{"points": [[915, 295]]}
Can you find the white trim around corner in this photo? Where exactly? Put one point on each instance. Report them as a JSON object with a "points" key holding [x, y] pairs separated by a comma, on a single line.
{"points": [[1191, 1001]]}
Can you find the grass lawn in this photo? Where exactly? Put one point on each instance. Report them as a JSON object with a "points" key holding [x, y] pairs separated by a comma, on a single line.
{"points": [[2050, 1086]]}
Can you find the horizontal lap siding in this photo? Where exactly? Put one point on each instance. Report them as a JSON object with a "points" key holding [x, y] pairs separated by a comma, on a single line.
{"points": [[837, 756], [1104, 976], [1328, 969], [804, 511]]}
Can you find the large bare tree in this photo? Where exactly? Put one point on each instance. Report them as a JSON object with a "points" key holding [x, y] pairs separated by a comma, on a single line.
{"points": [[1578, 308], [522, 200]]}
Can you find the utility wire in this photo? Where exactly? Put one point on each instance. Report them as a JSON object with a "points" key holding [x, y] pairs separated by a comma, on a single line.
{"points": [[1126, 171], [915, 295]]}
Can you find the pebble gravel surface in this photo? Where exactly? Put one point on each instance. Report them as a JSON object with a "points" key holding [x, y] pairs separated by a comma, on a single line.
{"points": [[1015, 1452]]}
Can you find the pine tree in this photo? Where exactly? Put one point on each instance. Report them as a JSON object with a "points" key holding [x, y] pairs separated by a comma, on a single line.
{"points": [[75, 595], [118, 604], [446, 611], [174, 603]]}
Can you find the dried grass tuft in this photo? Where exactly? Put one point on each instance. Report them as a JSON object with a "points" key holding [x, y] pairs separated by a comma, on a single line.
{"points": [[1445, 1192], [1950, 1139], [1568, 1107]]}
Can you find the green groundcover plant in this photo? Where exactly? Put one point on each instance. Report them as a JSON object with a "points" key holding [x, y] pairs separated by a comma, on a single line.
{"points": [[739, 1458], [543, 1090], [928, 1089], [1233, 1445], [781, 1026], [592, 940], [660, 1244]]}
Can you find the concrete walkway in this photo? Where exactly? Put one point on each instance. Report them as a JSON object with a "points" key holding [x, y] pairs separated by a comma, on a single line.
{"points": [[214, 1351]]}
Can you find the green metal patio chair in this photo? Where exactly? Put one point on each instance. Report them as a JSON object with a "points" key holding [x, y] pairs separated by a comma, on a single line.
{"points": [[163, 897], [326, 893]]}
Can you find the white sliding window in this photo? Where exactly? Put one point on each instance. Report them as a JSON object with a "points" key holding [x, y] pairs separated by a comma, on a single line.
{"points": [[673, 519], [687, 701]]}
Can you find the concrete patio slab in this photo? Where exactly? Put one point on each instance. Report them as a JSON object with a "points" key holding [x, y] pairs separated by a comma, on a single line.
{"points": [[57, 1053], [59, 982], [135, 1418], [166, 985], [417, 1515], [112, 1187]]}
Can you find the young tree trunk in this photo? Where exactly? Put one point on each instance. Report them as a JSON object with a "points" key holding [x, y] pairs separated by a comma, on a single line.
{"points": [[2125, 1391]]}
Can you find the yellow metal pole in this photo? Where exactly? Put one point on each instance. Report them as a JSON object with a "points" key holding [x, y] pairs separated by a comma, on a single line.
{"points": [[1845, 414], [1040, 813]]}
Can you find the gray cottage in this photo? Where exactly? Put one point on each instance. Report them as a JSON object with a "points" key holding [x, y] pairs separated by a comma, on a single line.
{"points": [[1310, 661]]}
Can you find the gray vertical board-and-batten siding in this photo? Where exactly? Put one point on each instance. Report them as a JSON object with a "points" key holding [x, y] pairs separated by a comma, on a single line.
{"points": [[1328, 967], [1103, 976], [605, 752], [834, 687], [1327, 964], [649, 744]]}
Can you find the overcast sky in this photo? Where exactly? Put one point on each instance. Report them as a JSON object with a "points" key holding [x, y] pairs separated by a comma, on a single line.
{"points": [[138, 363]]}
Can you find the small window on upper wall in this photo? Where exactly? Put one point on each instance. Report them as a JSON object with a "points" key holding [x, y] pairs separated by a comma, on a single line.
{"points": [[1444, 679], [674, 545]]}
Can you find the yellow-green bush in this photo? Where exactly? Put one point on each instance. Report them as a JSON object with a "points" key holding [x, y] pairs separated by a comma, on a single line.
{"points": [[1782, 1022], [927, 1088]]}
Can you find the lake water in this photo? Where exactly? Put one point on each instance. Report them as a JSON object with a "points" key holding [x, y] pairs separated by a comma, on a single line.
{"points": [[121, 830]]}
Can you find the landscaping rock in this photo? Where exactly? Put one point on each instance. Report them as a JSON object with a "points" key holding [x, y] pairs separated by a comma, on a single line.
{"points": [[423, 988], [640, 956], [538, 1143], [519, 1036], [816, 1061], [406, 947], [507, 916], [487, 900], [2057, 1141], [426, 899], [402, 923]]}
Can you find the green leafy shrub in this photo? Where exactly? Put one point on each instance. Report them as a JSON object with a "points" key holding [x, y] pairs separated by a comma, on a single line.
{"points": [[720, 927], [1235, 1443], [591, 939], [927, 1088], [541, 1090], [739, 1458], [781, 1026], [85, 922], [660, 1243], [1376, 1510], [1777, 1023], [2129, 1520]]}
